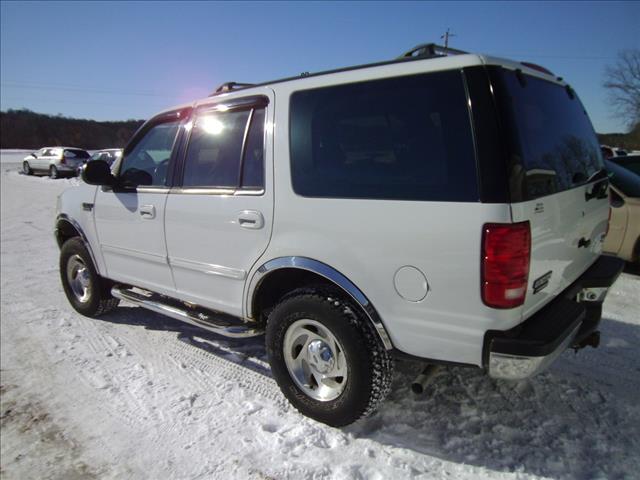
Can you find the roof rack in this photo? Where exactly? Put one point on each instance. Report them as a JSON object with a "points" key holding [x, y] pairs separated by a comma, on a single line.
{"points": [[430, 50], [230, 86], [424, 51]]}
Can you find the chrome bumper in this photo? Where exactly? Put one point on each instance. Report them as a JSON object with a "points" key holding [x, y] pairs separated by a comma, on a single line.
{"points": [[519, 367]]}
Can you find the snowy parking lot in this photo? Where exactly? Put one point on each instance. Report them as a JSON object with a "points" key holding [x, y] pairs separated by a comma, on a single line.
{"points": [[138, 395]]}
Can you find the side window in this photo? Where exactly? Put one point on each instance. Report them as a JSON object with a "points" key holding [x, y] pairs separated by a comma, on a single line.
{"points": [[406, 138], [147, 162], [215, 148], [253, 167]]}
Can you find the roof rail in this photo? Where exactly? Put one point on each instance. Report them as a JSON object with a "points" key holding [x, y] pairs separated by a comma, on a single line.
{"points": [[430, 50], [230, 86]]}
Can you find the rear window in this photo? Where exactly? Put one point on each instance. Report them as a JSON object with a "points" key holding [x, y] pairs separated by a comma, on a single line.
{"points": [[76, 153], [553, 144], [406, 138]]}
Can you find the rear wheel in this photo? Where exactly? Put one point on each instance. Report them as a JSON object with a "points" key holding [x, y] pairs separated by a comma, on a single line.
{"points": [[26, 168], [326, 357], [53, 172], [87, 292]]}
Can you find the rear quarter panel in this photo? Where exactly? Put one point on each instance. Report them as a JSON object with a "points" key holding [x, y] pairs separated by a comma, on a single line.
{"points": [[369, 240]]}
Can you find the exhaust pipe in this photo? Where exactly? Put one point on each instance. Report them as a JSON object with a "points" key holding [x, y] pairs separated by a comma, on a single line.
{"points": [[419, 385]]}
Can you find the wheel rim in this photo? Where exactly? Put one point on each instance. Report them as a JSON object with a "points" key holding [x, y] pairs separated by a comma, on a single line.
{"points": [[25, 167], [78, 279], [53, 172], [315, 359]]}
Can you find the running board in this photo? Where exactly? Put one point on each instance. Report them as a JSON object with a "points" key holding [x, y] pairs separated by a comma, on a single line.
{"points": [[216, 322]]}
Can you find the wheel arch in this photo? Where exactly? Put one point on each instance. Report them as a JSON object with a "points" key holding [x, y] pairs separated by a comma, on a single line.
{"points": [[298, 271], [66, 228]]}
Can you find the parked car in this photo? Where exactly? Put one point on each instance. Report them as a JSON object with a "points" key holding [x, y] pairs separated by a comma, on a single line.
{"points": [[630, 162], [109, 155], [609, 152], [445, 208], [54, 161], [623, 236]]}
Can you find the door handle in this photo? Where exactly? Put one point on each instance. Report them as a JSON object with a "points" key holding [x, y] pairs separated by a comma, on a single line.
{"points": [[250, 219], [147, 212]]}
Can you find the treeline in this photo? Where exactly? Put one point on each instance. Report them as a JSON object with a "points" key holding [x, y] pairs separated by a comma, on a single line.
{"points": [[628, 141], [30, 130]]}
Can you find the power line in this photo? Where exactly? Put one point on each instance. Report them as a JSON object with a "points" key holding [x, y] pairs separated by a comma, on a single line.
{"points": [[71, 102], [41, 86]]}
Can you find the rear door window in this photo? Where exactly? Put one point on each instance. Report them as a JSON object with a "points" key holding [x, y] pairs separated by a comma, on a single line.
{"points": [[253, 166], [405, 138], [552, 142], [215, 148], [226, 149]]}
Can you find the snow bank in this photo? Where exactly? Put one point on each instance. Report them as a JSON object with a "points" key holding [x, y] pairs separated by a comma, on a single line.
{"points": [[138, 395]]}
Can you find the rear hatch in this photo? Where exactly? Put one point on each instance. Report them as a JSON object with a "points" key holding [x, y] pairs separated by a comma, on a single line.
{"points": [[557, 180], [75, 157]]}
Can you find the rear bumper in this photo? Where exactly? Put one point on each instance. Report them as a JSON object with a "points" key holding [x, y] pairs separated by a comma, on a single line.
{"points": [[532, 346], [66, 168]]}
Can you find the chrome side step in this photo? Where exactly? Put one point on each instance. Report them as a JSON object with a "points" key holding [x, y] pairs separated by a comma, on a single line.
{"points": [[216, 322]]}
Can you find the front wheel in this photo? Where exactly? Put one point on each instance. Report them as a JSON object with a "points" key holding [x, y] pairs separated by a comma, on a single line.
{"points": [[326, 356], [26, 168], [53, 172], [87, 292]]}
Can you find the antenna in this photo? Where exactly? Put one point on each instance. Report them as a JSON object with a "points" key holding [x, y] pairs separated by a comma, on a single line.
{"points": [[446, 36]]}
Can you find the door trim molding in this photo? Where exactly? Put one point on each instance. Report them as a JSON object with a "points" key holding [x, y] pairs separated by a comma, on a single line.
{"points": [[208, 268]]}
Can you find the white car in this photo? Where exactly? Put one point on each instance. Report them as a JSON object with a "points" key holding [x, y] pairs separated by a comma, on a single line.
{"points": [[109, 155], [445, 208], [55, 161]]}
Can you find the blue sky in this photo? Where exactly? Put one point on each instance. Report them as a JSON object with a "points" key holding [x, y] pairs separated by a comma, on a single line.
{"points": [[117, 60]]}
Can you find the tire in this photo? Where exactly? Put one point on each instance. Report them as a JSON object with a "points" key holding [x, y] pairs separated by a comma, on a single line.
{"points": [[26, 168], [53, 172], [87, 292], [358, 369]]}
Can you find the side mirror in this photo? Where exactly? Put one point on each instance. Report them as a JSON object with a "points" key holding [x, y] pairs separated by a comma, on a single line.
{"points": [[97, 172]]}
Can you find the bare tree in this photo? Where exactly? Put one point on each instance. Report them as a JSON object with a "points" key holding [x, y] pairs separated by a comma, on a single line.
{"points": [[622, 80]]}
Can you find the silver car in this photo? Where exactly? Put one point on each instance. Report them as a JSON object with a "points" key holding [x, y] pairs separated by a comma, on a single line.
{"points": [[55, 161], [109, 155]]}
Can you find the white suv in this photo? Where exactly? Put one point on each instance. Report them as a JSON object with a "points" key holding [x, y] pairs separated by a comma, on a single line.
{"points": [[447, 208], [54, 161]]}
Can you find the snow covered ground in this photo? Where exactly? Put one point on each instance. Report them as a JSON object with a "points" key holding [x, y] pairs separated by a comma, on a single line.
{"points": [[138, 395]]}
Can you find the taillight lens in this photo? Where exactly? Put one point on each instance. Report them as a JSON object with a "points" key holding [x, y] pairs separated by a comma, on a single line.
{"points": [[506, 249]]}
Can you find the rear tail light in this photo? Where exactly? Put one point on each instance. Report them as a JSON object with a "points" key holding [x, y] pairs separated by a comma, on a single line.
{"points": [[62, 159], [506, 249]]}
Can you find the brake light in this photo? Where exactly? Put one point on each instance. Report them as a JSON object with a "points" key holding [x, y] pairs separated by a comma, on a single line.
{"points": [[62, 160], [506, 251]]}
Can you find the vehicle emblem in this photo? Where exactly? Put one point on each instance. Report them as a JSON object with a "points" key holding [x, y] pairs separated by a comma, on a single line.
{"points": [[541, 282]]}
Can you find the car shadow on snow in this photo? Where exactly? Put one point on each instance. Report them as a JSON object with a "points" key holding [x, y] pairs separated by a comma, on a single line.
{"points": [[579, 420], [248, 352]]}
